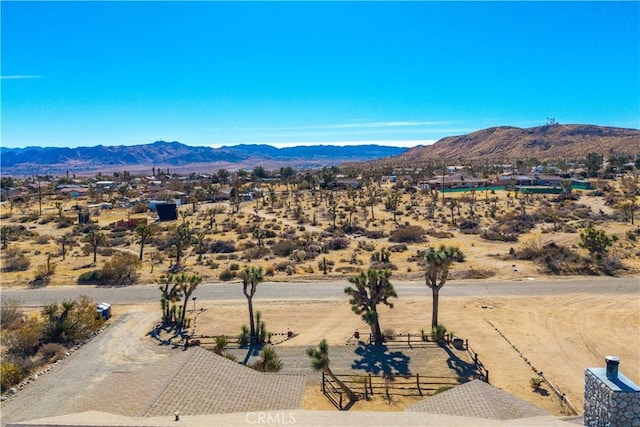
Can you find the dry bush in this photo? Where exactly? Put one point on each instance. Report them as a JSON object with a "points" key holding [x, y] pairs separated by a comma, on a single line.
{"points": [[10, 375], [10, 315], [26, 338], [222, 246], [121, 270], [15, 260], [51, 352], [410, 234]]}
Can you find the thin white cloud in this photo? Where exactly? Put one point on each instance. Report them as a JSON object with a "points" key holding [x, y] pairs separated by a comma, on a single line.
{"points": [[388, 143], [19, 77], [355, 125]]}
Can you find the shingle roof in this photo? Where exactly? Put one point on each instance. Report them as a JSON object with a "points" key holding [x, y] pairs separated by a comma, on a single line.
{"points": [[195, 381], [478, 399]]}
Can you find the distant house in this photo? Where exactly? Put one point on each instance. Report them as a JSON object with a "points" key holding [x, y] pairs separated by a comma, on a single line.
{"points": [[346, 183], [531, 180], [72, 190], [454, 181]]}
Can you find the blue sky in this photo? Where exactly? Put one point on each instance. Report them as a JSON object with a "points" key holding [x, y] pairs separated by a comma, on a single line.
{"points": [[294, 73]]}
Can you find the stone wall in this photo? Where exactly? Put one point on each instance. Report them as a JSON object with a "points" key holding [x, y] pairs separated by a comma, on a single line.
{"points": [[610, 402]]}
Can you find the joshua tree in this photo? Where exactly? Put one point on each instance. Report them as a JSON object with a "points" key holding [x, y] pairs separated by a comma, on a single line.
{"points": [[251, 277], [393, 203], [144, 231], [182, 239], [186, 286], [438, 263], [59, 206], [95, 239], [320, 362], [169, 287], [371, 288], [596, 241], [6, 232]]}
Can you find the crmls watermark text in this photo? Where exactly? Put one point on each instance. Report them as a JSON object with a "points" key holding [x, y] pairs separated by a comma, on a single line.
{"points": [[270, 418]]}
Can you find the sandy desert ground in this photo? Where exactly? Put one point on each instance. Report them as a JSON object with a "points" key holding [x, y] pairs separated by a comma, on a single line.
{"points": [[559, 335]]}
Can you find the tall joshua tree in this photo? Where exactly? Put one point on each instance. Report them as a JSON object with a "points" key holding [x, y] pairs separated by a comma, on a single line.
{"points": [[144, 231], [371, 288], [251, 277], [187, 285], [438, 263], [320, 362], [95, 239]]}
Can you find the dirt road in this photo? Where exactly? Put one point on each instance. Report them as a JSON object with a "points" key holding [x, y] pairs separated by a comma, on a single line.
{"points": [[123, 344]]}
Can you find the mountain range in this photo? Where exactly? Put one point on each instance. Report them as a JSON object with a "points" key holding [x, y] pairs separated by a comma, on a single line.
{"points": [[180, 157], [497, 143]]}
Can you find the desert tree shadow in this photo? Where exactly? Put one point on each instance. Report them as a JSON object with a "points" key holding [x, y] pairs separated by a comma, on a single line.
{"points": [[462, 368], [252, 350], [378, 359], [542, 391]]}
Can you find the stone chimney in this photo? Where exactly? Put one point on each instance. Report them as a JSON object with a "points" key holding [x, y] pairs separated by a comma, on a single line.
{"points": [[610, 398]]}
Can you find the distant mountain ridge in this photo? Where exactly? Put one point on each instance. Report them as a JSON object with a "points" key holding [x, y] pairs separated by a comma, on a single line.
{"points": [[543, 142], [30, 160]]}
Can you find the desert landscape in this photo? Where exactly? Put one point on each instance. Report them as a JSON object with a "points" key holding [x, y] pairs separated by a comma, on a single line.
{"points": [[309, 237]]}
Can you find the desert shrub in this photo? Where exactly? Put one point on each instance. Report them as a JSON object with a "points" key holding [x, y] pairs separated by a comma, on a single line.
{"points": [[222, 246], [439, 331], [227, 275], [337, 244], [412, 233], [65, 222], [139, 208], [47, 219], [348, 269], [270, 270], [535, 383], [366, 246], [70, 322], [298, 256], [15, 260], [10, 315], [51, 352], [284, 266], [93, 276], [26, 338], [471, 273], [285, 248], [310, 255], [374, 234], [254, 253], [234, 267], [43, 239], [30, 217], [383, 265], [121, 270], [398, 248], [555, 259], [10, 375], [42, 275], [610, 264], [388, 334], [499, 236]]}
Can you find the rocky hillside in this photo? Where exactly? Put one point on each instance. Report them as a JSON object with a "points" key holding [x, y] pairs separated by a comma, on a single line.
{"points": [[543, 142]]}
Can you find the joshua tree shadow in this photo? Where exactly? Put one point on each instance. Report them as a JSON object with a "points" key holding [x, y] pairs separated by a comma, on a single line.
{"points": [[462, 368], [377, 359], [252, 350]]}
